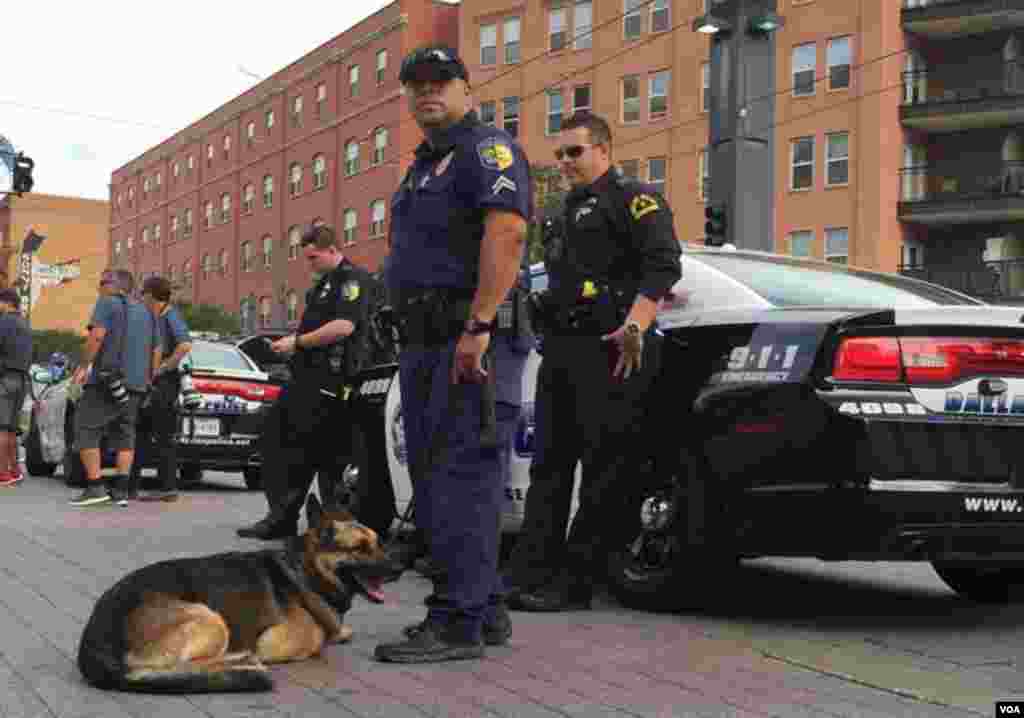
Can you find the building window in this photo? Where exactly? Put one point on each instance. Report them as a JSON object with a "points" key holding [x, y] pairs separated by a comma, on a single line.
{"points": [[248, 198], [837, 245], [227, 146], [190, 164], [174, 228], [208, 215], [630, 169], [802, 163], [705, 87], [489, 44], [633, 19], [265, 312], [294, 238], [145, 187], [382, 65], [801, 243], [837, 158], [268, 192], [205, 267], [321, 99], [488, 110], [129, 243], [188, 223], [659, 16], [156, 234], [804, 65], [704, 176], [319, 172], [117, 247], [556, 29], [554, 124], [246, 256], [145, 235], [158, 179], [222, 269], [511, 119], [250, 133], [656, 167], [657, 97], [296, 111], [349, 226], [838, 57], [131, 196], [225, 208], [268, 249], [380, 143], [294, 179], [292, 302], [268, 119], [583, 25], [175, 172], [209, 155], [377, 214], [581, 100], [511, 40], [186, 274], [351, 158], [353, 81], [631, 98]]}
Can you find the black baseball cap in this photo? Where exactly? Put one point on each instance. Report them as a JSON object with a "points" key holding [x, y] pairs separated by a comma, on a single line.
{"points": [[432, 62]]}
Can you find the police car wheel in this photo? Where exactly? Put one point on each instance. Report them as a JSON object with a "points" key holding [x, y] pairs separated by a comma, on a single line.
{"points": [[253, 478], [998, 583]]}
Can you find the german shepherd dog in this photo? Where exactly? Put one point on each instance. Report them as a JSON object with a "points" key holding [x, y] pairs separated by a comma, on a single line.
{"points": [[211, 624]]}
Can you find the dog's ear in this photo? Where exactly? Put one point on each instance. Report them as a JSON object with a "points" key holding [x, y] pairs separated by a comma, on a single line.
{"points": [[314, 511]]}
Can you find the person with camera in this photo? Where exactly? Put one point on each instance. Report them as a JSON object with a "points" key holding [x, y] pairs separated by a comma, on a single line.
{"points": [[15, 359], [120, 356], [159, 415], [308, 428]]}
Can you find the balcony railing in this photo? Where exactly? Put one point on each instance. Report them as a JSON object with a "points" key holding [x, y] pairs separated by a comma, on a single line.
{"points": [[950, 18], [913, 4], [923, 87], [996, 279], [926, 184]]}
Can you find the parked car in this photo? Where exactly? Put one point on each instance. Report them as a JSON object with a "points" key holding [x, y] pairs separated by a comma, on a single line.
{"points": [[220, 434], [804, 409]]}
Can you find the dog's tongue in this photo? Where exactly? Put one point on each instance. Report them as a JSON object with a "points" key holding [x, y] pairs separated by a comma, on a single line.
{"points": [[373, 589]]}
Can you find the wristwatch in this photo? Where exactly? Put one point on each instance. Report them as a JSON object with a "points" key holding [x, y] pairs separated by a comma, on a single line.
{"points": [[476, 327]]}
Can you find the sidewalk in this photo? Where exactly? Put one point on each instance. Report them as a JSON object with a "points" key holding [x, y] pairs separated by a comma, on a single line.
{"points": [[57, 560]]}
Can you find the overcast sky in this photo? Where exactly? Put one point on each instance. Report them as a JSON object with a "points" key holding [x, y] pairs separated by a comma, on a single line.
{"points": [[86, 87]]}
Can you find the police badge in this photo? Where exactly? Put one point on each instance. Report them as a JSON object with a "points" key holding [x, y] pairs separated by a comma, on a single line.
{"points": [[350, 290]]}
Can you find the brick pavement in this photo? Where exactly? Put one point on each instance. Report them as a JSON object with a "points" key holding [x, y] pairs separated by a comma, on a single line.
{"points": [[610, 662]]}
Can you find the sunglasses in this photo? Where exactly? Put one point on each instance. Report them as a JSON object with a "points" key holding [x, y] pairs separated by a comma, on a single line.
{"points": [[573, 152]]}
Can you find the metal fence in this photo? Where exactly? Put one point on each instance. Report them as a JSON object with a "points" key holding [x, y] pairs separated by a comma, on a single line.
{"points": [[926, 86], [986, 280], [924, 183]]}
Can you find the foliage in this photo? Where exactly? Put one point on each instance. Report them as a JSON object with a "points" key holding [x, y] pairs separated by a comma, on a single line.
{"points": [[47, 341], [548, 196], [209, 318]]}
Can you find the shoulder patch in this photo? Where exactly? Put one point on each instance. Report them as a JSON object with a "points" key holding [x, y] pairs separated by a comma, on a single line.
{"points": [[495, 153], [350, 290], [643, 204]]}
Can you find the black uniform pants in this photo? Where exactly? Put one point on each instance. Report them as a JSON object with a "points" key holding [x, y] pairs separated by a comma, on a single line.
{"points": [[582, 414], [305, 432], [156, 433]]}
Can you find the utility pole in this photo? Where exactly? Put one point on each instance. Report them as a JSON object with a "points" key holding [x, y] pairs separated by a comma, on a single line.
{"points": [[740, 138]]}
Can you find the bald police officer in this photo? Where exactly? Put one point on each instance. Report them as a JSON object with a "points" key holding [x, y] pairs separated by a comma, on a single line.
{"points": [[457, 236], [617, 258]]}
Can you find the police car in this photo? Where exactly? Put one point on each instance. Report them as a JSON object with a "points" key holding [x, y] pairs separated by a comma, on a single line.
{"points": [[808, 409]]}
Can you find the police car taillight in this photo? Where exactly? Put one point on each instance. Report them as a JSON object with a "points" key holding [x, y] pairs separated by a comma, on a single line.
{"points": [[250, 391], [927, 360], [868, 359]]}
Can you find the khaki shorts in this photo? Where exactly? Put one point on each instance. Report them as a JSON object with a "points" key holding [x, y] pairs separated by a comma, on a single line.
{"points": [[97, 415]]}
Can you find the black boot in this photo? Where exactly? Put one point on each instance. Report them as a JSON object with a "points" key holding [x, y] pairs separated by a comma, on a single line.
{"points": [[430, 644], [497, 629], [269, 528]]}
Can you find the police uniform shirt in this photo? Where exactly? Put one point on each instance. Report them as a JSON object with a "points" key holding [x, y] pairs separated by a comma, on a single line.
{"points": [[340, 294], [617, 232], [437, 214]]}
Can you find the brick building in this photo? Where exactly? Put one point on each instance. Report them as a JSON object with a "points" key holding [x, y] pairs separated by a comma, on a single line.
{"points": [[68, 264], [896, 121], [219, 206]]}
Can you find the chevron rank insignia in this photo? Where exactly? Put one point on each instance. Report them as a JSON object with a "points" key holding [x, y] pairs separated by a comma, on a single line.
{"points": [[642, 204], [350, 291], [501, 183], [495, 154]]}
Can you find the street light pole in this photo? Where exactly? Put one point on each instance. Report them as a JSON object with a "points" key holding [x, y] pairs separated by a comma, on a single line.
{"points": [[740, 145]]}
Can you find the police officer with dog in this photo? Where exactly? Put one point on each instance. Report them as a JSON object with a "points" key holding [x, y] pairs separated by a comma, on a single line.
{"points": [[458, 231], [615, 259], [308, 429]]}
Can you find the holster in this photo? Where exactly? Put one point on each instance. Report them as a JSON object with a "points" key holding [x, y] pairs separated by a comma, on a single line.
{"points": [[433, 317]]}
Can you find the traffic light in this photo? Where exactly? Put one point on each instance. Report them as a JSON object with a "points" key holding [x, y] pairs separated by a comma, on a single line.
{"points": [[715, 227], [22, 181]]}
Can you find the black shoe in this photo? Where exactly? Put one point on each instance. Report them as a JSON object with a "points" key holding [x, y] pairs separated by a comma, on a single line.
{"points": [[548, 601], [93, 494], [269, 529], [496, 633], [118, 496], [427, 646]]}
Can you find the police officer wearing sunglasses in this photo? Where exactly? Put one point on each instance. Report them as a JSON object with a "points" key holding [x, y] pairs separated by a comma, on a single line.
{"points": [[458, 231], [615, 259]]}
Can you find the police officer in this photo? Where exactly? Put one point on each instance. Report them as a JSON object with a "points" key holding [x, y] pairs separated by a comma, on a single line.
{"points": [[618, 257], [457, 237], [308, 429]]}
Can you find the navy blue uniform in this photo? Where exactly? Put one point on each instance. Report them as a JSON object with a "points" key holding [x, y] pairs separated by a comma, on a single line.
{"points": [[437, 227]]}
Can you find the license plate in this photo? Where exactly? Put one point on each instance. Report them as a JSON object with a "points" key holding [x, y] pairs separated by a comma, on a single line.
{"points": [[203, 427]]}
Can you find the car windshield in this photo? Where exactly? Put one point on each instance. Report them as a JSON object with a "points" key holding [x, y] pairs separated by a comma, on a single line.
{"points": [[213, 356], [788, 283]]}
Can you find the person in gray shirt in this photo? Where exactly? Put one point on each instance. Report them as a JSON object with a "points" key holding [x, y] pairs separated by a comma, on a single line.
{"points": [[119, 359], [15, 358]]}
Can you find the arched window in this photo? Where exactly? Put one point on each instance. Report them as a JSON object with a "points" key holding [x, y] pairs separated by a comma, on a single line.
{"points": [[377, 216], [380, 143], [206, 266], [265, 312], [268, 248], [246, 256], [319, 172], [294, 237], [156, 234], [349, 223], [186, 274], [225, 208], [268, 191], [249, 198], [351, 158], [223, 267], [294, 179], [292, 302], [145, 235], [208, 214]]}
